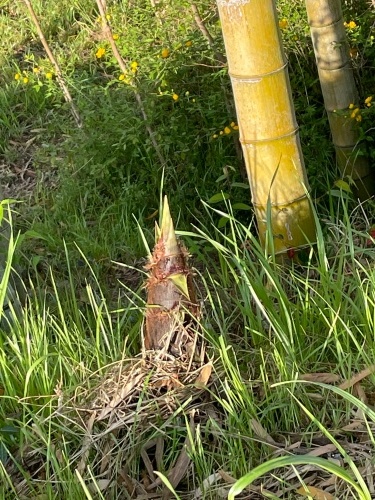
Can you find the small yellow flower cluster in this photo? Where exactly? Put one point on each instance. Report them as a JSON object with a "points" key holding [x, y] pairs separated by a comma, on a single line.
{"points": [[100, 52], [115, 36], [166, 51], [283, 23], [350, 25], [171, 93], [134, 67], [227, 130], [356, 113], [25, 77], [99, 19], [125, 77]]}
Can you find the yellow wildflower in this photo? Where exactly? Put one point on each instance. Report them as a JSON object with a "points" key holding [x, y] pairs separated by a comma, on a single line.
{"points": [[235, 127], [17, 76], [115, 36], [351, 25], [193, 100], [134, 67], [175, 96], [227, 130], [100, 52], [354, 113], [358, 118], [187, 93], [36, 70], [283, 23], [108, 17], [368, 100], [49, 75], [189, 43], [232, 124], [165, 53], [25, 79], [121, 77], [351, 106], [215, 136], [221, 132]]}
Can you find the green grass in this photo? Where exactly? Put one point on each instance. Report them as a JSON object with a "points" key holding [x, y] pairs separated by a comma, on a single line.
{"points": [[265, 325]]}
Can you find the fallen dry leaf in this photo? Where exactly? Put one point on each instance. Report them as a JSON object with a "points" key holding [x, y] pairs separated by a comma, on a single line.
{"points": [[325, 378], [170, 382], [315, 493], [261, 432], [358, 377], [101, 484], [86, 443], [204, 375], [209, 481], [360, 392], [322, 450]]}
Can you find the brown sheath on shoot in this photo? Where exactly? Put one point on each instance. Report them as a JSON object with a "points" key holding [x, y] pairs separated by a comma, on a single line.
{"points": [[171, 300]]}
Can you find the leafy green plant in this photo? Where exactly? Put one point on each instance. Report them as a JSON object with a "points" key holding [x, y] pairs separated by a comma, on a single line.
{"points": [[86, 192]]}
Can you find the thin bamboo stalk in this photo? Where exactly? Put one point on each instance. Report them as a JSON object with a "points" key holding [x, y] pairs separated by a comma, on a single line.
{"points": [[108, 32], [207, 35], [51, 57], [228, 100], [268, 128], [339, 90]]}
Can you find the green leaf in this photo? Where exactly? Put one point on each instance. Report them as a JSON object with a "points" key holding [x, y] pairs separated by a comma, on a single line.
{"points": [[340, 392], [222, 222], [30, 233], [167, 483], [179, 280], [241, 185], [3, 454], [9, 201], [275, 463], [339, 194], [241, 206], [216, 198], [9, 429], [343, 185], [222, 178]]}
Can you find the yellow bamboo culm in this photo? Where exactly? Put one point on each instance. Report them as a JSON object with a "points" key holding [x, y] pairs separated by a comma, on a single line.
{"points": [[339, 90], [268, 128]]}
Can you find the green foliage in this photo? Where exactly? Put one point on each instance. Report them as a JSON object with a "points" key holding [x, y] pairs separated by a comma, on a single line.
{"points": [[265, 325]]}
